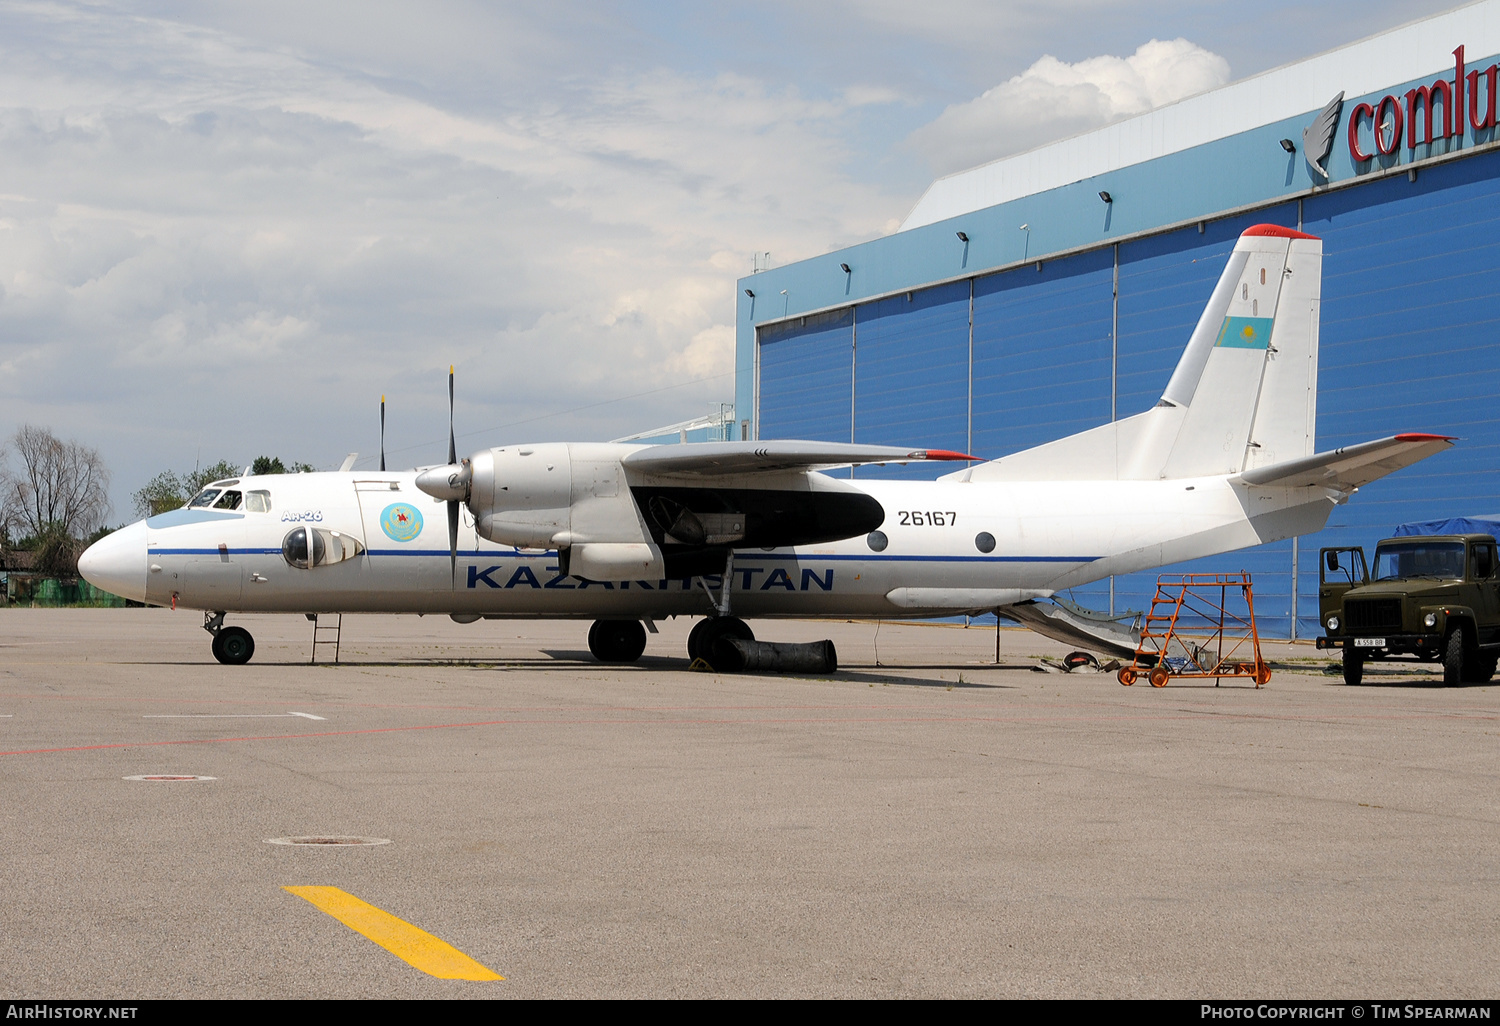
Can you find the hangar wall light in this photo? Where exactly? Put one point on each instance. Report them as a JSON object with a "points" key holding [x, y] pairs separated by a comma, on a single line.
{"points": [[846, 268], [1289, 146], [962, 237], [1106, 197], [750, 294]]}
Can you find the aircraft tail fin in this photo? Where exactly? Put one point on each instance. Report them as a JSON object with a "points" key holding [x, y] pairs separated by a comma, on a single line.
{"points": [[1243, 395]]}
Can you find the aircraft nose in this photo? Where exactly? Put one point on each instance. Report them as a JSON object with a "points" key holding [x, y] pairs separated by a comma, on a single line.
{"points": [[116, 563]]}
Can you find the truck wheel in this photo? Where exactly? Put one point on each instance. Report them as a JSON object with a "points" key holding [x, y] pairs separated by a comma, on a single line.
{"points": [[1354, 666], [1455, 656], [1481, 668]]}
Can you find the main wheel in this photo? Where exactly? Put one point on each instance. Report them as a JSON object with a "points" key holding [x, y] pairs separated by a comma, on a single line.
{"points": [[617, 641], [695, 638], [1354, 666], [718, 628], [1456, 656], [233, 646]]}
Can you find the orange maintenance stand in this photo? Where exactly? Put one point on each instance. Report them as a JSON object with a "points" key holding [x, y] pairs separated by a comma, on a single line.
{"points": [[1224, 643]]}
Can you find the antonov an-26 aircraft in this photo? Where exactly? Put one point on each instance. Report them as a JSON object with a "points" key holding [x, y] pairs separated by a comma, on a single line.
{"points": [[625, 534]]}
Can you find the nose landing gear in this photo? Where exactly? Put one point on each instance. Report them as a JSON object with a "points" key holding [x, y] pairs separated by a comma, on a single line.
{"points": [[232, 646]]}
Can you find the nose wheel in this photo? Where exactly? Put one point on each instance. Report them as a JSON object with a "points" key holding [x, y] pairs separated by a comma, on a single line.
{"points": [[232, 646], [617, 641]]}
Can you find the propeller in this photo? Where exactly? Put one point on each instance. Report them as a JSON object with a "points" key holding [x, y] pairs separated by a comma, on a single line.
{"points": [[450, 483], [382, 432], [453, 503]]}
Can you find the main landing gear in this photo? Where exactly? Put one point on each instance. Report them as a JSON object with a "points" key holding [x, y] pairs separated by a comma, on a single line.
{"points": [[233, 646], [708, 631], [617, 641]]}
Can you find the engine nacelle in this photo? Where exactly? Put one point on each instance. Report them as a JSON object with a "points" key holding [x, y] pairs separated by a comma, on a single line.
{"points": [[616, 561], [522, 495]]}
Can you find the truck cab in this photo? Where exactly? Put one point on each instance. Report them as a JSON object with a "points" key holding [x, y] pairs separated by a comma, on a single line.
{"points": [[1426, 597]]}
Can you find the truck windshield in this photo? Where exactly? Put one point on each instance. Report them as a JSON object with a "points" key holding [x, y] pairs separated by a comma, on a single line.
{"points": [[1436, 560]]}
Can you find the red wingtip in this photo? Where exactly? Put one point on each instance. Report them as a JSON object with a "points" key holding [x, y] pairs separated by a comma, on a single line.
{"points": [[1416, 436], [1275, 231], [945, 454]]}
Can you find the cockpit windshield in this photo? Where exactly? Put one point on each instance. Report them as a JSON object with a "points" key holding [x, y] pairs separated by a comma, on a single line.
{"points": [[229, 500], [204, 498], [1409, 560]]}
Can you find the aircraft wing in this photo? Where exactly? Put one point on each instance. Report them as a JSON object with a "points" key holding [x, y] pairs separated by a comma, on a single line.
{"points": [[1349, 467], [716, 459]]}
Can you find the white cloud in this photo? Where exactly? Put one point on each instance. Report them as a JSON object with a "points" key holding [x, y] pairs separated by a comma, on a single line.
{"points": [[217, 247], [1053, 100]]}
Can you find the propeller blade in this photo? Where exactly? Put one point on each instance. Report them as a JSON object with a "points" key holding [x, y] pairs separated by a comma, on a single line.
{"points": [[452, 503], [382, 432], [453, 540]]}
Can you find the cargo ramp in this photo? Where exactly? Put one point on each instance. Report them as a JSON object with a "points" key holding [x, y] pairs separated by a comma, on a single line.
{"points": [[1072, 624]]}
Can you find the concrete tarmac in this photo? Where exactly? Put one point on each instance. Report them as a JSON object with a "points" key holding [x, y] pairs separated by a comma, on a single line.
{"points": [[928, 824]]}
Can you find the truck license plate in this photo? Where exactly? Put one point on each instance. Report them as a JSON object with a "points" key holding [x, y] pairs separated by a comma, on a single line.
{"points": [[1370, 642]]}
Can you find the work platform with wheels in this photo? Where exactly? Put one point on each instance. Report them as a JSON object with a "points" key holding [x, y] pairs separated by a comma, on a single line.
{"points": [[1224, 642]]}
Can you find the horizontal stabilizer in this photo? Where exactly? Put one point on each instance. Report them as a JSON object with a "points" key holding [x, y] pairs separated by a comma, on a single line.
{"points": [[715, 459], [1349, 467]]}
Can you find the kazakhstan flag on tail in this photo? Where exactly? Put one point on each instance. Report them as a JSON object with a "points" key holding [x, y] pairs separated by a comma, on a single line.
{"points": [[1245, 333]]}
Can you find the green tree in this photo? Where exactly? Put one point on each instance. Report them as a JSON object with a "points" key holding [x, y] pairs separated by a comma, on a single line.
{"points": [[57, 552], [163, 492], [273, 465]]}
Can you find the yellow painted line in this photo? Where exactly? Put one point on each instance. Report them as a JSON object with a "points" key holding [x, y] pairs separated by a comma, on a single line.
{"points": [[416, 947]]}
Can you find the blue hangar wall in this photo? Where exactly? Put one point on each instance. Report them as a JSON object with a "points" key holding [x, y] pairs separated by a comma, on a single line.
{"points": [[1001, 360]]}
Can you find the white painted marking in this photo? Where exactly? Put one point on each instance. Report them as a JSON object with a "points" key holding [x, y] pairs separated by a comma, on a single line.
{"points": [[229, 716]]}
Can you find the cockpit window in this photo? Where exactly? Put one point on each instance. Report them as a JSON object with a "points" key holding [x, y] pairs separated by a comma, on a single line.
{"points": [[258, 502], [204, 498], [229, 500]]}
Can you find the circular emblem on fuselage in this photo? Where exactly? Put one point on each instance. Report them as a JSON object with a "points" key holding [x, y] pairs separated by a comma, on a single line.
{"points": [[401, 522]]}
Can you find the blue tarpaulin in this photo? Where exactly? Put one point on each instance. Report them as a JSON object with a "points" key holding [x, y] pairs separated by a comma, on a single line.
{"points": [[1483, 524]]}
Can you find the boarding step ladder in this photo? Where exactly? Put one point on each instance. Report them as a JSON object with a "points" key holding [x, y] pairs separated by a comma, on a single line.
{"points": [[325, 634]]}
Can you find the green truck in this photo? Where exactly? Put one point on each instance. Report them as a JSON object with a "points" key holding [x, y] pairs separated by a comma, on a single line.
{"points": [[1429, 596]]}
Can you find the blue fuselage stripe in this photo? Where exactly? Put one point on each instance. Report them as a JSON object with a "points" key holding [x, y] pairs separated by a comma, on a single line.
{"points": [[746, 557]]}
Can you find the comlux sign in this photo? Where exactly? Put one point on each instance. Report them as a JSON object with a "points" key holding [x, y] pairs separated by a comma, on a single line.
{"points": [[1379, 129]]}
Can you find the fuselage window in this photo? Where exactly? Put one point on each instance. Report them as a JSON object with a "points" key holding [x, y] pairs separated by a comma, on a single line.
{"points": [[204, 498], [258, 502], [229, 500]]}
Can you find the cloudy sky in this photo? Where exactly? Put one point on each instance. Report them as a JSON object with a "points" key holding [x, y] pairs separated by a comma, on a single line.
{"points": [[227, 229]]}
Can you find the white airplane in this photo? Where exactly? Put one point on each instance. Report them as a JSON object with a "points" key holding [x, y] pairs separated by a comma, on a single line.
{"points": [[626, 534]]}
